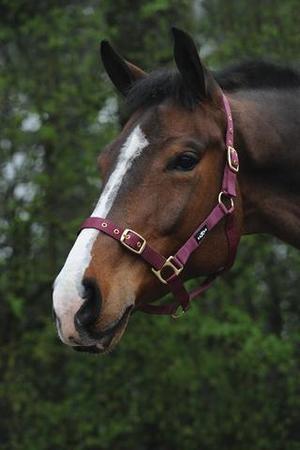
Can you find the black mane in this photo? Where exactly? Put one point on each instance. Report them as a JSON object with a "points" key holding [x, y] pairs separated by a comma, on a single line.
{"points": [[258, 75], [167, 83]]}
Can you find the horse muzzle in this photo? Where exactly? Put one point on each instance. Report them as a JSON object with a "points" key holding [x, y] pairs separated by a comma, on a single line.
{"points": [[88, 328]]}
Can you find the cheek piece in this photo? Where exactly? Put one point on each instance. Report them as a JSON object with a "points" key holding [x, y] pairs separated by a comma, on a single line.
{"points": [[167, 270]]}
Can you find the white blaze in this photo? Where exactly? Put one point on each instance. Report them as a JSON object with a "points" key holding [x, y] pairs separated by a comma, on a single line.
{"points": [[67, 294]]}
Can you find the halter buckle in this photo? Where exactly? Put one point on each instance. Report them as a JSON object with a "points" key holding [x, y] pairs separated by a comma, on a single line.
{"points": [[221, 200], [176, 267], [232, 159], [126, 234]]}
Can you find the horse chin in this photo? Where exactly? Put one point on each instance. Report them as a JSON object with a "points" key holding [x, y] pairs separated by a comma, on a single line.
{"points": [[106, 342], [116, 337]]}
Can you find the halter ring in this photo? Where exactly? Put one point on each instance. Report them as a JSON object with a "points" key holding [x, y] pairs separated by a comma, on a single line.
{"points": [[177, 315], [169, 263], [226, 209]]}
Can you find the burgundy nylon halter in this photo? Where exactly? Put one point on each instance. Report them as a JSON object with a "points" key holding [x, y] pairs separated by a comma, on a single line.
{"points": [[168, 269]]}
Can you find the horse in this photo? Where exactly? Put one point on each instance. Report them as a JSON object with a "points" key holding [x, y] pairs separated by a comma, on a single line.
{"points": [[203, 158]]}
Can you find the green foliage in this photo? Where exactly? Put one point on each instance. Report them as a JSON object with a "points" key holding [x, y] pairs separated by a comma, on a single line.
{"points": [[224, 377], [198, 383], [239, 29]]}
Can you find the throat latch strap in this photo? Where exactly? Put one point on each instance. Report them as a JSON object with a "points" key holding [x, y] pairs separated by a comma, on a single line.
{"points": [[168, 270]]}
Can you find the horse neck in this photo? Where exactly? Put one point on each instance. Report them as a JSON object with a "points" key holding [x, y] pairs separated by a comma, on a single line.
{"points": [[267, 124]]}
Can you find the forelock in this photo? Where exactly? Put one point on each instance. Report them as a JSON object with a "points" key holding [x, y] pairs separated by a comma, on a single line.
{"points": [[157, 87]]}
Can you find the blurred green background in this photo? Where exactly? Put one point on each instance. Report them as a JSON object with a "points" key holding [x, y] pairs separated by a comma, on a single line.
{"points": [[226, 376]]}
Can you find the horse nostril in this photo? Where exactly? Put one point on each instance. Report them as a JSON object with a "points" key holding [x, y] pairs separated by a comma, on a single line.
{"points": [[90, 310]]}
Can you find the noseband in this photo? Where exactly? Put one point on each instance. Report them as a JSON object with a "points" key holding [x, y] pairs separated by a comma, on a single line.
{"points": [[167, 270]]}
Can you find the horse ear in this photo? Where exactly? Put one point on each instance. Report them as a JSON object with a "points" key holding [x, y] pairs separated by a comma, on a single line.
{"points": [[121, 72], [194, 74]]}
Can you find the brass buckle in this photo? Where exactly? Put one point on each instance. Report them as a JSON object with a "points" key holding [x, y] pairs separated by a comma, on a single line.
{"points": [[168, 263], [125, 236], [223, 205], [233, 166]]}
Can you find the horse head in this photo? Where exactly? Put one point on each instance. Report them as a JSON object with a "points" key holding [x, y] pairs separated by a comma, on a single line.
{"points": [[162, 177]]}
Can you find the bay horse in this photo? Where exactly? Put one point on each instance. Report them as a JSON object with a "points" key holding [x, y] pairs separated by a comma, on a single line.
{"points": [[203, 159]]}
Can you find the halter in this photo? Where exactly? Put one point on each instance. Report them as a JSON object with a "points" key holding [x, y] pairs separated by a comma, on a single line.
{"points": [[167, 270]]}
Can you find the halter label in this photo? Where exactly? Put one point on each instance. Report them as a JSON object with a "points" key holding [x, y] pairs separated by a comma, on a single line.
{"points": [[201, 234]]}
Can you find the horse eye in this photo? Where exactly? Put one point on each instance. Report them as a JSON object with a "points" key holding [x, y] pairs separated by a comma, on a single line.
{"points": [[185, 162]]}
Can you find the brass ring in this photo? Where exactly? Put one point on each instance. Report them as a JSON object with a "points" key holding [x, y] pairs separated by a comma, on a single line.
{"points": [[177, 315]]}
